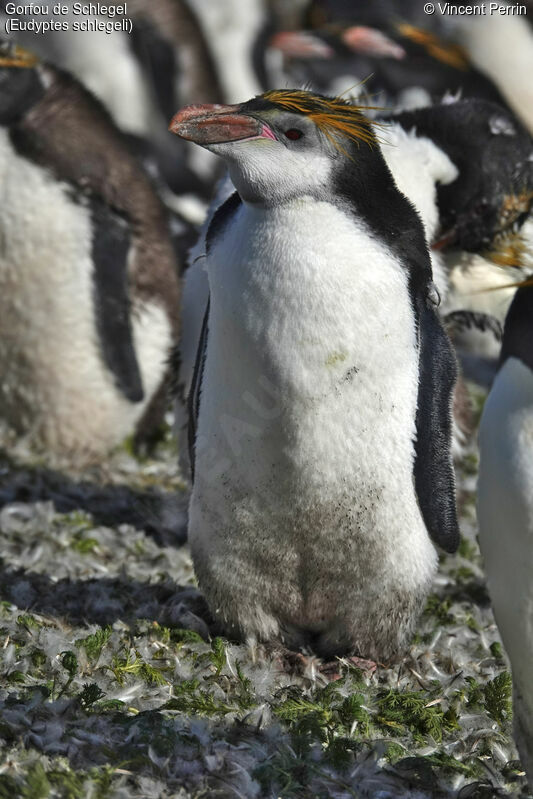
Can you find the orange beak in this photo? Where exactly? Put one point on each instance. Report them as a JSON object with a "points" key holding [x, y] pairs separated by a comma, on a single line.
{"points": [[216, 124], [301, 44]]}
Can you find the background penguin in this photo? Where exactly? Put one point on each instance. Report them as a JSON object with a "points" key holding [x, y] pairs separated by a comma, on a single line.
{"points": [[493, 193], [141, 78], [318, 347], [398, 64], [484, 215], [501, 47], [498, 46], [89, 296], [505, 507]]}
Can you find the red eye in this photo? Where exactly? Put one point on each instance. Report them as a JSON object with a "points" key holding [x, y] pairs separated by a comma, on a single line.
{"points": [[293, 134]]}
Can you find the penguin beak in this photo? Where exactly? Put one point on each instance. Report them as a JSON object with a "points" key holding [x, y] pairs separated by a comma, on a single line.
{"points": [[369, 41], [301, 44], [445, 240], [218, 124]]}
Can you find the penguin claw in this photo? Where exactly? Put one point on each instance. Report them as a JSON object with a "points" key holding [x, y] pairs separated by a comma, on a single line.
{"points": [[292, 662], [364, 664], [330, 670]]}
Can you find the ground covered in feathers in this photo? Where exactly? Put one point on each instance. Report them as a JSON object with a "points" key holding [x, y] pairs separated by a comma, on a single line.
{"points": [[111, 687]]}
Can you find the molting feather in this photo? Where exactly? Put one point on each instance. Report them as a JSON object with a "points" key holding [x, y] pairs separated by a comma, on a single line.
{"points": [[510, 250]]}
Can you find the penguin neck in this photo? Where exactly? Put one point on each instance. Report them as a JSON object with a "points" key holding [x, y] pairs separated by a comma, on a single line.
{"points": [[513, 388], [516, 334]]}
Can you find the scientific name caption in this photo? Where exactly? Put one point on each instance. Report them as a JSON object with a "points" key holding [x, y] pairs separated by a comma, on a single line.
{"points": [[39, 18]]}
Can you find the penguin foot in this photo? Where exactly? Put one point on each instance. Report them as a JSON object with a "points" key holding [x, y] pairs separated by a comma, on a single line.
{"points": [[331, 671], [310, 666], [294, 662]]}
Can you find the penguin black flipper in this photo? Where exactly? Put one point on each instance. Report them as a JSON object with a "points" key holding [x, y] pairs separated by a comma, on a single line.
{"points": [[110, 248], [433, 469], [220, 218], [193, 400]]}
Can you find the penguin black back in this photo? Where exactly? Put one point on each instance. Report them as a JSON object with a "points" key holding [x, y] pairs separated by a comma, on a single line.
{"points": [[516, 342], [492, 152]]}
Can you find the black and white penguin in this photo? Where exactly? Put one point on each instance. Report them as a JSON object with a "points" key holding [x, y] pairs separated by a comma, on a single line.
{"points": [[320, 409], [484, 214], [418, 166], [466, 168], [399, 65], [498, 45], [89, 291], [142, 77], [505, 507]]}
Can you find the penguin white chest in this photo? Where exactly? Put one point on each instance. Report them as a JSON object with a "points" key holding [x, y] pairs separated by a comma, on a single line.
{"points": [[304, 500], [505, 488], [55, 386], [505, 514]]}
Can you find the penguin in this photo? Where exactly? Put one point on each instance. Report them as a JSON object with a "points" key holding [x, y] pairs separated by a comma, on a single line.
{"points": [[320, 410], [141, 77], [484, 214], [484, 223], [505, 507], [493, 193], [418, 167], [465, 167], [499, 46], [398, 64], [89, 286]]}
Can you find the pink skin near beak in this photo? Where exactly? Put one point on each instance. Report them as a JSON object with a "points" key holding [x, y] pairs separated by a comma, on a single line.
{"points": [[216, 124]]}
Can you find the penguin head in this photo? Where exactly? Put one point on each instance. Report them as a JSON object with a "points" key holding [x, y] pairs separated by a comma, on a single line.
{"points": [[282, 144], [20, 83]]}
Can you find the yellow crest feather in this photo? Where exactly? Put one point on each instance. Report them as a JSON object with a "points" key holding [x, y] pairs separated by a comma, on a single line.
{"points": [[334, 116], [509, 251], [447, 53], [16, 57]]}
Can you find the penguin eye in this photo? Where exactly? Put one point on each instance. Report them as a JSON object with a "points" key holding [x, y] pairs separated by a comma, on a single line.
{"points": [[293, 134]]}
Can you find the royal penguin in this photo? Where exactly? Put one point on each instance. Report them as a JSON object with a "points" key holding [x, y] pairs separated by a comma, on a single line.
{"points": [[500, 45], [89, 287], [484, 222], [418, 167], [464, 166], [141, 77], [398, 64], [492, 195], [320, 411], [497, 46], [505, 507]]}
